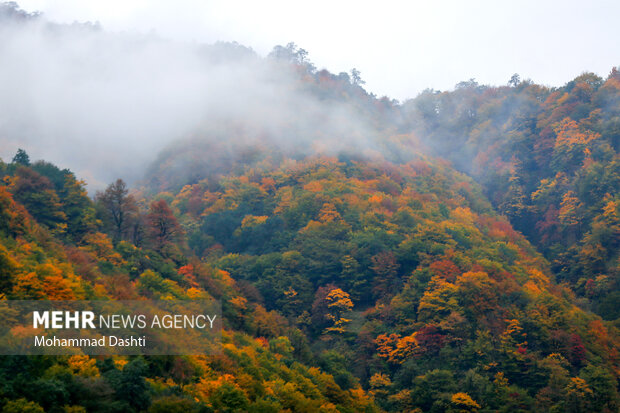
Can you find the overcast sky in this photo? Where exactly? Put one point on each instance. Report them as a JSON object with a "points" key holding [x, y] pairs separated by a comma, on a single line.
{"points": [[400, 47]]}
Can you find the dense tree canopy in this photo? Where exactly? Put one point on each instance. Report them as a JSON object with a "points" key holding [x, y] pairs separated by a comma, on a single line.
{"points": [[466, 260]]}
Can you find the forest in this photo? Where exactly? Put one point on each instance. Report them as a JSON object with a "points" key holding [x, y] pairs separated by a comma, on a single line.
{"points": [[465, 259]]}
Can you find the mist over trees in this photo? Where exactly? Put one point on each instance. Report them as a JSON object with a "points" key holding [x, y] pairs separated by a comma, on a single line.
{"points": [[78, 77]]}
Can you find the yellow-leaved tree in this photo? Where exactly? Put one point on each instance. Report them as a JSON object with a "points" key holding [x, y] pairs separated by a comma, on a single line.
{"points": [[339, 304]]}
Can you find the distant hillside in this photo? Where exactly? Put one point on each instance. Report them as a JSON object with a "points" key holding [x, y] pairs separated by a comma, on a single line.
{"points": [[548, 160]]}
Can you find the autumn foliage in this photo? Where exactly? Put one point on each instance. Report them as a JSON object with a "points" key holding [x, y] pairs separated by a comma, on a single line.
{"points": [[388, 281]]}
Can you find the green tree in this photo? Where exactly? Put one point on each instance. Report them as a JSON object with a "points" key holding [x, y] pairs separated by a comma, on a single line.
{"points": [[21, 158], [131, 386], [229, 399]]}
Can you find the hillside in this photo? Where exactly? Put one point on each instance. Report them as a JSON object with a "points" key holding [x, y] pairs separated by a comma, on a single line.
{"points": [[259, 368], [337, 275], [547, 158], [456, 252], [402, 275]]}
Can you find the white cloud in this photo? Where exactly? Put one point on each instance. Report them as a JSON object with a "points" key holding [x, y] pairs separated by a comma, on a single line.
{"points": [[401, 47]]}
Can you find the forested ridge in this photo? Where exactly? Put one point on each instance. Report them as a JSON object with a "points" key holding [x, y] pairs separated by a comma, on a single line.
{"points": [[547, 158], [457, 253]]}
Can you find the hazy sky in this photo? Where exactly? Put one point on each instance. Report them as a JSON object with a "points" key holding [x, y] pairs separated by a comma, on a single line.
{"points": [[401, 47]]}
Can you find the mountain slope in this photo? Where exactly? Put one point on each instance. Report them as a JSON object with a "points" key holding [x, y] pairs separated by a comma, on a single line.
{"points": [[262, 366], [547, 159], [403, 274]]}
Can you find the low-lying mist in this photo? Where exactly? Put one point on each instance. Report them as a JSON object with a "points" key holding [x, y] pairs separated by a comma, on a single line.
{"points": [[105, 104]]}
